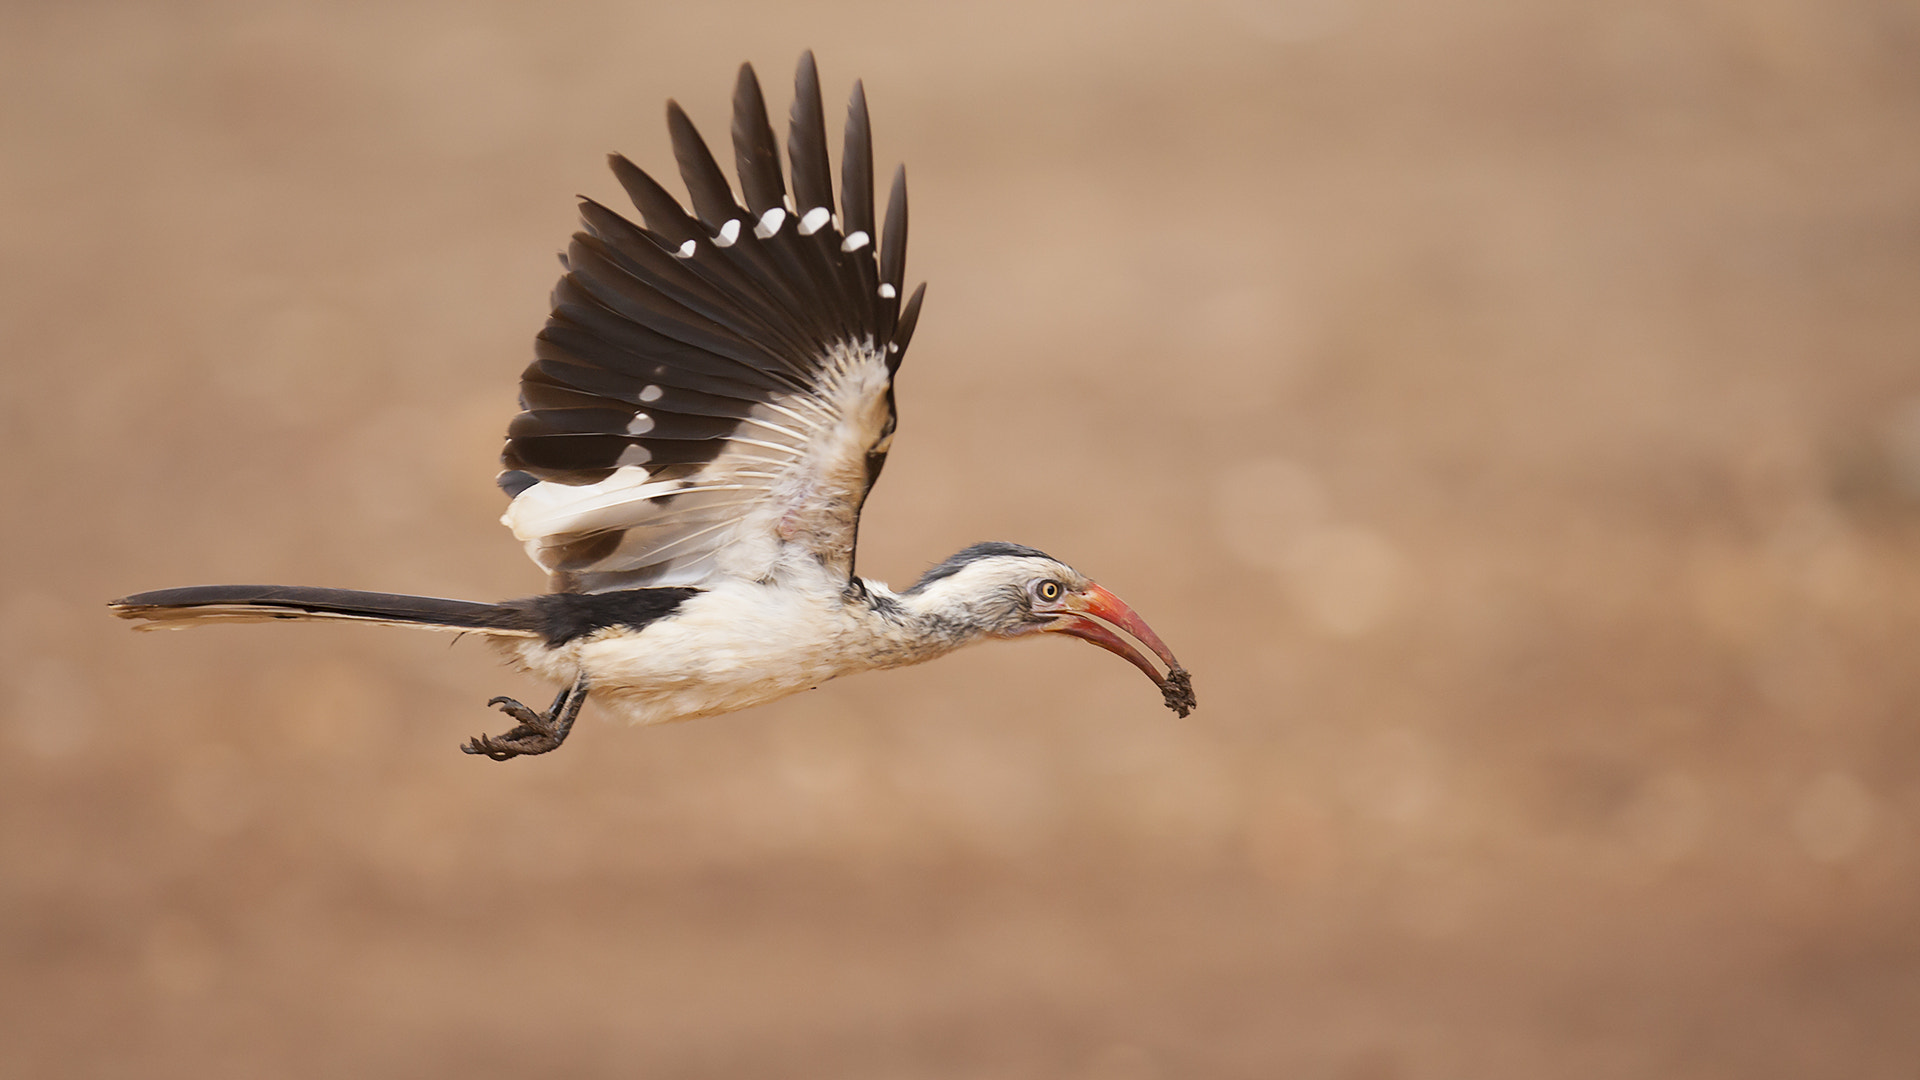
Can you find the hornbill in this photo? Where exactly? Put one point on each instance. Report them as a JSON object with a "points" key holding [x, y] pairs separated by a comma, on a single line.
{"points": [[709, 404]]}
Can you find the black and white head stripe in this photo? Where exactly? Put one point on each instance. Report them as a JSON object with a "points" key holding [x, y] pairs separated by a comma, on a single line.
{"points": [[699, 362], [986, 549]]}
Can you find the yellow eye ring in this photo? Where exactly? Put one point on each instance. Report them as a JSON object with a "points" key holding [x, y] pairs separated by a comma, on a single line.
{"points": [[1049, 590]]}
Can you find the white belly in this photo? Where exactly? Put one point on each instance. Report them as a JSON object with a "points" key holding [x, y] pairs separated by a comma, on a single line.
{"points": [[738, 645]]}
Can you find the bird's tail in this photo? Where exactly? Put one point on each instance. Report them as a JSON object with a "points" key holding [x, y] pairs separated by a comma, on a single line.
{"points": [[178, 608]]}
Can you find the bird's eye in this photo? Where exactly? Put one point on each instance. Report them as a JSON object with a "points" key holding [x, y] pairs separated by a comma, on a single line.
{"points": [[1048, 591]]}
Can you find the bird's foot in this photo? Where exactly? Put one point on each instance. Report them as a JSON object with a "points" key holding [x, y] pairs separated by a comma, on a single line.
{"points": [[536, 733]]}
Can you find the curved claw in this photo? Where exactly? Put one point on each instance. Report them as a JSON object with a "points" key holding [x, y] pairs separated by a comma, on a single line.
{"points": [[525, 715], [536, 733], [486, 747]]}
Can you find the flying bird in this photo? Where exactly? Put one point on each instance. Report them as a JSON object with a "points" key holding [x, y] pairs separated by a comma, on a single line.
{"points": [[710, 402]]}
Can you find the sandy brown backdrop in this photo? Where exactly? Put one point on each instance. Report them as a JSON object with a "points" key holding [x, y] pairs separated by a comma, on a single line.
{"points": [[1509, 410]]}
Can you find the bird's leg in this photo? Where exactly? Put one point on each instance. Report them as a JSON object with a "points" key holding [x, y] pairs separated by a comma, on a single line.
{"points": [[536, 733]]}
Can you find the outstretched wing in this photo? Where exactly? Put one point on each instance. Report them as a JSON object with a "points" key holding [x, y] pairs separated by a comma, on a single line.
{"points": [[714, 389]]}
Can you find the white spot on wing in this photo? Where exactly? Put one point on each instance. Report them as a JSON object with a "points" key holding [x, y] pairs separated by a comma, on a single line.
{"points": [[770, 223], [855, 242], [634, 455], [887, 292], [729, 233], [814, 218], [651, 393], [640, 425], [686, 250]]}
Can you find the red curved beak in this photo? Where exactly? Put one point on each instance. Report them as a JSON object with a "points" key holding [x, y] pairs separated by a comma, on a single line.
{"points": [[1096, 603]]}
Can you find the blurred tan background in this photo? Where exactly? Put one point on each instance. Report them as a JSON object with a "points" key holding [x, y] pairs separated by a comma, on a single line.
{"points": [[1509, 410]]}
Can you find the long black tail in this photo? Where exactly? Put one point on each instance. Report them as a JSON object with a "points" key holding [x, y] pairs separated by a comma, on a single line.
{"points": [[177, 608]]}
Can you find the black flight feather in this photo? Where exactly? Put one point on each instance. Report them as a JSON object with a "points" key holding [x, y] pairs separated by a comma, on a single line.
{"points": [[757, 157], [712, 296], [893, 254], [856, 168], [661, 212], [754, 152], [807, 142], [633, 347], [903, 332], [856, 207], [598, 273], [893, 244], [751, 286], [713, 202], [580, 421], [558, 369], [813, 194], [707, 186]]}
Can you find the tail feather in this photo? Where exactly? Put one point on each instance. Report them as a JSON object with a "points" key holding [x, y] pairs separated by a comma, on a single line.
{"points": [[179, 608]]}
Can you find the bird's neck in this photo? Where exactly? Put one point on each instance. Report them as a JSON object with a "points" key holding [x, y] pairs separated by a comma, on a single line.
{"points": [[914, 626]]}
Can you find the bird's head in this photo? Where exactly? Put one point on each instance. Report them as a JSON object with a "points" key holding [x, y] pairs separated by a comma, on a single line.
{"points": [[1009, 591]]}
